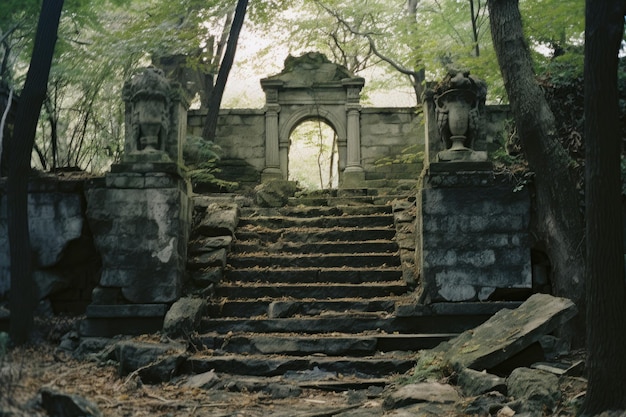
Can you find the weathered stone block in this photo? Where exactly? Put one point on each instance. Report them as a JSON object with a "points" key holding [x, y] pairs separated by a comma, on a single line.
{"points": [[219, 220], [184, 317], [126, 180], [56, 219], [142, 236], [474, 240]]}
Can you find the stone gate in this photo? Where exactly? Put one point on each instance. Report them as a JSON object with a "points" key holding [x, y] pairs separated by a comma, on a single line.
{"points": [[256, 142]]}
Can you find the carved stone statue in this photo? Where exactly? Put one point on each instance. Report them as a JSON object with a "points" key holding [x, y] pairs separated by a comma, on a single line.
{"points": [[148, 97], [458, 100]]}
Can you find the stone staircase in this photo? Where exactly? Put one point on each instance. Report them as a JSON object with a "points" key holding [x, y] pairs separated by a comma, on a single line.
{"points": [[310, 288], [316, 289]]}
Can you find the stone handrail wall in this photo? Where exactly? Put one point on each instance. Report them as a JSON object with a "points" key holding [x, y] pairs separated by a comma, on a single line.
{"points": [[65, 262]]}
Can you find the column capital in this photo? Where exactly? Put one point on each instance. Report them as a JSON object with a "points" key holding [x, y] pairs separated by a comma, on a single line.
{"points": [[272, 108]]}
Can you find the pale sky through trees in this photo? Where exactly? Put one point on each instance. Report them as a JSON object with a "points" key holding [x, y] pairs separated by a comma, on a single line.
{"points": [[243, 89]]}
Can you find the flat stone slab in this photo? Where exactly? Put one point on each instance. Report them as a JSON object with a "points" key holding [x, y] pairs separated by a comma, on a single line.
{"points": [[301, 344], [429, 392], [260, 365], [507, 333]]}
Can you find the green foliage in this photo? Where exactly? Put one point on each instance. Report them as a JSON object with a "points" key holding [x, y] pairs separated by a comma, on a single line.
{"points": [[430, 366], [409, 155], [201, 159], [556, 24]]}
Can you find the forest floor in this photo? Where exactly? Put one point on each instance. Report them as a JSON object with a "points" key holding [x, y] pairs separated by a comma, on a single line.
{"points": [[25, 371]]}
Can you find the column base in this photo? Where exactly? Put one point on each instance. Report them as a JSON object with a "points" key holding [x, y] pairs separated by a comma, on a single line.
{"points": [[271, 174], [353, 177]]}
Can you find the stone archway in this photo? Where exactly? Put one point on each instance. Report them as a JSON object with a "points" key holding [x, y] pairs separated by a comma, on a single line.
{"points": [[314, 155], [309, 87]]}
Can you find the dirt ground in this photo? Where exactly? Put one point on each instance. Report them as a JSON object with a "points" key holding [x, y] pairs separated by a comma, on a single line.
{"points": [[23, 372]]}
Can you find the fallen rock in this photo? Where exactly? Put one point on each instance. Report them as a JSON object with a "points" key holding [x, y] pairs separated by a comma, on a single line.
{"points": [[430, 392], [507, 333], [184, 317], [533, 390], [216, 258], [276, 390], [219, 220], [153, 362], [474, 383], [275, 193], [208, 244], [204, 380], [486, 405], [505, 412], [59, 404]]}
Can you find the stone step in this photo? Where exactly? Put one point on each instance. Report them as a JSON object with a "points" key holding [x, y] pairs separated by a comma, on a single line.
{"points": [[315, 234], [281, 222], [314, 275], [315, 211], [372, 246], [356, 260], [332, 345], [270, 365], [342, 201], [344, 323], [322, 290], [289, 308]]}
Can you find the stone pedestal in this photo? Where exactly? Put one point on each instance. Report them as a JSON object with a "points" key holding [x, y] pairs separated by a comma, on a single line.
{"points": [[474, 234], [140, 221]]}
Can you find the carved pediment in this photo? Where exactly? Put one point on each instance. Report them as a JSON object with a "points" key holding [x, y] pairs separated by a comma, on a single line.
{"points": [[310, 69]]}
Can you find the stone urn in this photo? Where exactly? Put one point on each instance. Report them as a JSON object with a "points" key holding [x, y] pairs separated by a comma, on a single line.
{"points": [[455, 106], [150, 121]]}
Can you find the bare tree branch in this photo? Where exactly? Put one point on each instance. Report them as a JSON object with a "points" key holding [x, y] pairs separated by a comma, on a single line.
{"points": [[416, 76]]}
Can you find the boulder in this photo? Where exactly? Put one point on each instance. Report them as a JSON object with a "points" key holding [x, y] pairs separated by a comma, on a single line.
{"points": [[184, 317], [59, 404], [533, 390]]}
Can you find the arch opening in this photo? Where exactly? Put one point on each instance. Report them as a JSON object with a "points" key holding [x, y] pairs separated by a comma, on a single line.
{"points": [[313, 155]]}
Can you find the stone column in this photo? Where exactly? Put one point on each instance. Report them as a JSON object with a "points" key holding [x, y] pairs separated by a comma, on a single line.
{"points": [[272, 169], [354, 175]]}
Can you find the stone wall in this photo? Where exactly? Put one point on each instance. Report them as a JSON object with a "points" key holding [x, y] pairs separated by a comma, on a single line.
{"points": [[385, 132], [241, 135], [389, 133], [66, 264]]}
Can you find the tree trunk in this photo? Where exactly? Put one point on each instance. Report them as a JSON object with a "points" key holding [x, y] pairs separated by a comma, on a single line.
{"points": [[215, 100], [22, 298], [606, 286], [559, 221]]}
